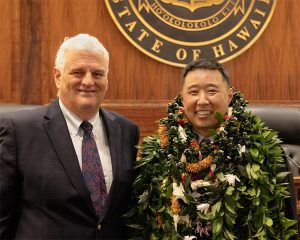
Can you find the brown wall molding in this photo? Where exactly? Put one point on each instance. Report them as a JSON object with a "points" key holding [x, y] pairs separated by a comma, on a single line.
{"points": [[124, 104], [137, 104]]}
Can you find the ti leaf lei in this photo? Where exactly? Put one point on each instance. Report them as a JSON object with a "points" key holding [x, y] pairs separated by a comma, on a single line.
{"points": [[230, 187]]}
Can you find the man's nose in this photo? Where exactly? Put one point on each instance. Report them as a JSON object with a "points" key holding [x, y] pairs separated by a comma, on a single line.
{"points": [[202, 99], [88, 79]]}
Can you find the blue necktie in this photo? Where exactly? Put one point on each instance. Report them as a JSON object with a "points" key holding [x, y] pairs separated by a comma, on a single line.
{"points": [[92, 169]]}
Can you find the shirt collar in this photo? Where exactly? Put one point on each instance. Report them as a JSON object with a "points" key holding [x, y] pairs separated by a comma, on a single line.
{"points": [[73, 121], [202, 138]]}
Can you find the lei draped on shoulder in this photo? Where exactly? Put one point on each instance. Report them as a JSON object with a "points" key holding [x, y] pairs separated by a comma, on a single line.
{"points": [[229, 187]]}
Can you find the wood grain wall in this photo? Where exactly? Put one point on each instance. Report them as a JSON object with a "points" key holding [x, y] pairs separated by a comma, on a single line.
{"points": [[139, 87]]}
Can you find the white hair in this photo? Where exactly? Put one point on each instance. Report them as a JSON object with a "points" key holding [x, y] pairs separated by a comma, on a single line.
{"points": [[79, 42]]}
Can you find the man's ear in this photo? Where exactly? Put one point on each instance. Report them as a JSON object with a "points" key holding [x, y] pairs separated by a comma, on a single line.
{"points": [[57, 75]]}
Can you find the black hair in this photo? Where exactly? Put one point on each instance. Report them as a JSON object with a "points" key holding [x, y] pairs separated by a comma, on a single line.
{"points": [[209, 64]]}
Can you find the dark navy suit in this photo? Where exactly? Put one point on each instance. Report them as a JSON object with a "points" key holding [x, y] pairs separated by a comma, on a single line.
{"points": [[42, 191]]}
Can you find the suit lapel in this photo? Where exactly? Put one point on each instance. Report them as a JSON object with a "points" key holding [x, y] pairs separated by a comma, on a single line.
{"points": [[113, 132], [57, 129]]}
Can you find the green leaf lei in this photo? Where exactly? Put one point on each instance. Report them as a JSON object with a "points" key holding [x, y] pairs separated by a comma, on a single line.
{"points": [[230, 187]]}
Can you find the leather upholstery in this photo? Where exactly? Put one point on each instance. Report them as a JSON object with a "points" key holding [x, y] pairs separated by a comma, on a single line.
{"points": [[7, 108]]}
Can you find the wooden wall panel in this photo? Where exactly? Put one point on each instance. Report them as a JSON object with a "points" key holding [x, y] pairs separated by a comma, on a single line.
{"points": [[30, 49], [5, 41], [9, 57], [139, 87], [268, 71]]}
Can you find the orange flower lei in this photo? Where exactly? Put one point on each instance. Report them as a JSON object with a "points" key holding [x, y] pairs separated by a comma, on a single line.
{"points": [[202, 164], [162, 131]]}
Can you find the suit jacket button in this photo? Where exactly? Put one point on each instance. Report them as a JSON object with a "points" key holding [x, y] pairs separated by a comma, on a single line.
{"points": [[99, 227]]}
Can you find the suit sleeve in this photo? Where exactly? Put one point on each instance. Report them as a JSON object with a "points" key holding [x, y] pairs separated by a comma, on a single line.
{"points": [[9, 180]]}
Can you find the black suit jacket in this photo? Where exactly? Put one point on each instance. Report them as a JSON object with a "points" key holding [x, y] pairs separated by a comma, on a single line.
{"points": [[42, 191]]}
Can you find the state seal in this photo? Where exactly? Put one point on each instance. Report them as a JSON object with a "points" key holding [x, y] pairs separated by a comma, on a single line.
{"points": [[176, 32]]}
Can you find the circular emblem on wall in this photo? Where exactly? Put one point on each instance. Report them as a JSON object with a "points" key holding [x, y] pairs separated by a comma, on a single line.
{"points": [[176, 32]]}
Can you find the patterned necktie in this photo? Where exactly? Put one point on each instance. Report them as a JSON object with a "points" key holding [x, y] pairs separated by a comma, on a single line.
{"points": [[92, 169]]}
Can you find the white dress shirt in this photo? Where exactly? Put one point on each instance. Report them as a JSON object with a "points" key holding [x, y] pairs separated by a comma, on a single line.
{"points": [[76, 133]]}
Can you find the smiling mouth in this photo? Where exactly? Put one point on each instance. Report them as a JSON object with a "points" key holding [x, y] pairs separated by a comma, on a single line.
{"points": [[86, 91], [203, 113]]}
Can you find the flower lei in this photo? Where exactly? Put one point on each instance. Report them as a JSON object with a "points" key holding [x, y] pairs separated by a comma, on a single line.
{"points": [[230, 187]]}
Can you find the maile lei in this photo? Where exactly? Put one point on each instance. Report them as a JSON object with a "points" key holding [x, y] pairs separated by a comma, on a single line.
{"points": [[230, 187]]}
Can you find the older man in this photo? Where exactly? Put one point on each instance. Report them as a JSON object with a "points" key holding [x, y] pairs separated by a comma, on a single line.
{"points": [[66, 168]]}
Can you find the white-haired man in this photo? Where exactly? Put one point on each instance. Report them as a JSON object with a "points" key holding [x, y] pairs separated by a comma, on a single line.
{"points": [[50, 186]]}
